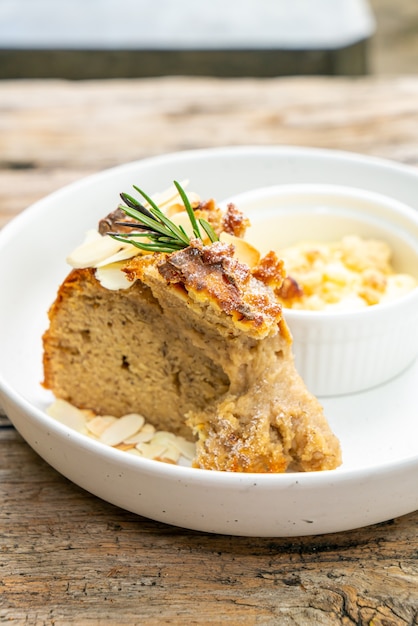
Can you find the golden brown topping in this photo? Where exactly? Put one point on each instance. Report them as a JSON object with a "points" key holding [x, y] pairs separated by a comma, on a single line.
{"points": [[134, 268], [289, 290], [207, 268], [209, 211], [270, 270], [212, 272], [234, 222]]}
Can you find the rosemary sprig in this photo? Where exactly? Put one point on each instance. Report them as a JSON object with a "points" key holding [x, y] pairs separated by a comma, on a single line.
{"points": [[161, 233]]}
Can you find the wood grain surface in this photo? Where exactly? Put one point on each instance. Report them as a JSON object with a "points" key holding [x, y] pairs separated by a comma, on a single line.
{"points": [[67, 557], [54, 132]]}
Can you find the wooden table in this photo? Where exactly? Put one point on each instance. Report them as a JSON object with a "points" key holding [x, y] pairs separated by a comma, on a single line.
{"points": [[66, 557]]}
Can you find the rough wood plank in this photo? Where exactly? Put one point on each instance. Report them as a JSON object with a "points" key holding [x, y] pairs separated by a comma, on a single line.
{"points": [[54, 132], [66, 557]]}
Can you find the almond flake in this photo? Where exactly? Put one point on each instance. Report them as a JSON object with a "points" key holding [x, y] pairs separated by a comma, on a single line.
{"points": [[127, 251], [186, 448], [171, 454], [94, 249], [124, 446], [112, 277], [133, 451], [182, 219], [129, 433], [98, 424], [68, 415], [150, 451], [145, 434], [140, 419], [244, 251], [122, 429], [163, 437], [166, 199]]}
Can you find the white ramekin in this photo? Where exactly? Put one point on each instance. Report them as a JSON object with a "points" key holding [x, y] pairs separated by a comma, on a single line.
{"points": [[342, 352]]}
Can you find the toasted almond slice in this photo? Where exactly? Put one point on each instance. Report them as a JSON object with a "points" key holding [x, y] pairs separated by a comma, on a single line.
{"points": [[167, 196], [95, 248], [173, 209], [163, 437], [98, 424], [145, 434], [141, 421], [111, 277], [146, 441], [177, 206], [150, 451], [182, 219], [171, 454], [67, 414], [186, 448], [122, 429], [133, 451], [140, 437], [126, 252], [165, 199], [124, 446], [244, 251]]}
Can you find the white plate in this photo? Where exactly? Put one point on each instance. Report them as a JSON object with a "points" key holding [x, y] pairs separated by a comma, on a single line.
{"points": [[378, 429]]}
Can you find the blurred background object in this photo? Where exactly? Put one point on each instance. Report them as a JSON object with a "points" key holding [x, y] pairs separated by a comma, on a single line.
{"points": [[394, 47], [136, 38], [79, 39]]}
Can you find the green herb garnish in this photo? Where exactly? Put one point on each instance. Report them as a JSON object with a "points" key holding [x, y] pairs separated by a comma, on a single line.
{"points": [[161, 233]]}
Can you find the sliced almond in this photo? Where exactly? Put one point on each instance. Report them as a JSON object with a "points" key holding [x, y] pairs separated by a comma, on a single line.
{"points": [[124, 446], [133, 451], [94, 249], [170, 201], [111, 277], [244, 251], [173, 209], [186, 448], [141, 421], [171, 455], [177, 206], [122, 429], [129, 433], [67, 414], [163, 437], [168, 196], [151, 451], [98, 424], [145, 434], [182, 219], [127, 251]]}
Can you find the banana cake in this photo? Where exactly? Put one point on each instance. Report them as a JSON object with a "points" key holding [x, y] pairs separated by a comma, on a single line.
{"points": [[190, 335]]}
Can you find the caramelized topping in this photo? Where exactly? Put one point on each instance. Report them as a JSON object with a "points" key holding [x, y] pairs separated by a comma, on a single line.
{"points": [[270, 270], [234, 221], [213, 272]]}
